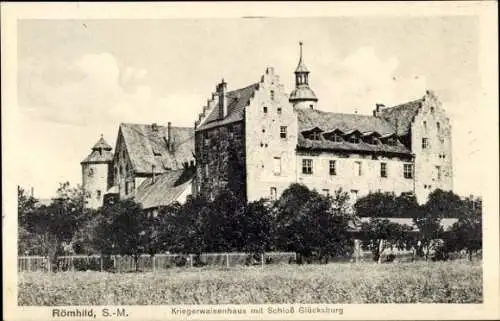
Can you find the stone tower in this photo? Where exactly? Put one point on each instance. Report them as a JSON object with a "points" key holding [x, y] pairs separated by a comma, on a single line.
{"points": [[96, 173], [302, 96]]}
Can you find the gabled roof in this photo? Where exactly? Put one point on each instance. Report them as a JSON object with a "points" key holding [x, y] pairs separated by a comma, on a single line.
{"points": [[165, 190], [147, 146], [347, 123], [237, 101], [401, 116]]}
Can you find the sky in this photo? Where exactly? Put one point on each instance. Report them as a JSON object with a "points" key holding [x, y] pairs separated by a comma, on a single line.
{"points": [[78, 79]]}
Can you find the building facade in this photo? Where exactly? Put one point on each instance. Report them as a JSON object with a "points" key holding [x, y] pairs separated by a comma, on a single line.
{"points": [[258, 140], [153, 164]]}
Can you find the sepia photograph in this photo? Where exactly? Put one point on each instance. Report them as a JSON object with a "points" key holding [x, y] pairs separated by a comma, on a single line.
{"points": [[269, 164]]}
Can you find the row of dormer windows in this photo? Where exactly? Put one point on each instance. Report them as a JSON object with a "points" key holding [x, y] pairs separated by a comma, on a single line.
{"points": [[352, 138]]}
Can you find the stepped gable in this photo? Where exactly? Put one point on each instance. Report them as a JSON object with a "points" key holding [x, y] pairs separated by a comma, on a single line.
{"points": [[150, 144], [401, 116], [165, 190], [237, 101], [310, 119]]}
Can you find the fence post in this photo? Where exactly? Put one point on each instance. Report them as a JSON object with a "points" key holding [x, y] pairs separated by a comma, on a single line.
{"points": [[48, 264], [191, 259], [262, 259], [29, 264], [101, 262], [227, 259], [154, 263], [72, 264], [114, 262]]}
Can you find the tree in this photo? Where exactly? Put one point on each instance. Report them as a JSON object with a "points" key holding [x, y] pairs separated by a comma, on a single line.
{"points": [[257, 225], [466, 233], [309, 223], [429, 230], [26, 205], [387, 205], [379, 233], [123, 230]]}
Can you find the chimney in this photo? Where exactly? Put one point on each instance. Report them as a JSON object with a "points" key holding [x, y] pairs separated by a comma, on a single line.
{"points": [[154, 127], [154, 176], [378, 108], [170, 139], [222, 94]]}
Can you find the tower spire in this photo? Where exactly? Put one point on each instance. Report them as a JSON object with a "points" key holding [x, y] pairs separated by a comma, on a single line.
{"points": [[302, 95]]}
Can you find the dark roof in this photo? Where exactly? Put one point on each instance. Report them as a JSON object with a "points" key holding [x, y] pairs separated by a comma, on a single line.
{"points": [[401, 116], [328, 122], [165, 190], [101, 144], [147, 146], [101, 153], [237, 101], [302, 93]]}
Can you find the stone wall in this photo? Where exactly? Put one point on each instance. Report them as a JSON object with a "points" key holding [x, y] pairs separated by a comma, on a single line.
{"points": [[95, 182], [220, 162]]}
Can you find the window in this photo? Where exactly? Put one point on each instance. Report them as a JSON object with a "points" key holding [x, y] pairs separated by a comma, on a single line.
{"points": [[432, 110], [408, 170], [425, 124], [315, 135], [311, 106], [337, 138], [357, 169], [91, 172], [263, 130], [307, 165], [354, 140], [272, 94], [279, 110], [277, 165], [438, 172], [333, 167], [383, 169], [326, 191], [425, 143], [98, 194], [264, 109], [438, 126], [283, 132], [274, 193]]}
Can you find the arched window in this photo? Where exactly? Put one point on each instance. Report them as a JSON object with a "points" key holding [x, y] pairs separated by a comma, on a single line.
{"points": [[438, 126], [425, 124]]}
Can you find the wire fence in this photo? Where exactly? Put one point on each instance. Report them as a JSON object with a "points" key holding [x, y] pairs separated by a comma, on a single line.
{"points": [[148, 263]]}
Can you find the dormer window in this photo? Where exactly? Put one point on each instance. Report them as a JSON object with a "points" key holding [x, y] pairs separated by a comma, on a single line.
{"points": [[354, 140], [315, 136], [337, 138]]}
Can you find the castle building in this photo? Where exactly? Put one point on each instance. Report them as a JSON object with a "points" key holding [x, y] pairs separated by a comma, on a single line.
{"points": [[152, 164], [257, 140]]}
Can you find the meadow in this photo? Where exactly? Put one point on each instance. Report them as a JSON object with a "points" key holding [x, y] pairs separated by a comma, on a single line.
{"points": [[417, 282]]}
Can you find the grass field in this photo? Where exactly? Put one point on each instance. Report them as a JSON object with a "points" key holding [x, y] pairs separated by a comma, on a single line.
{"points": [[446, 282]]}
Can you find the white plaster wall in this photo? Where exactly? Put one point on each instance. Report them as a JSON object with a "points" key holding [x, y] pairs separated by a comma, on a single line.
{"points": [[263, 142], [426, 160]]}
